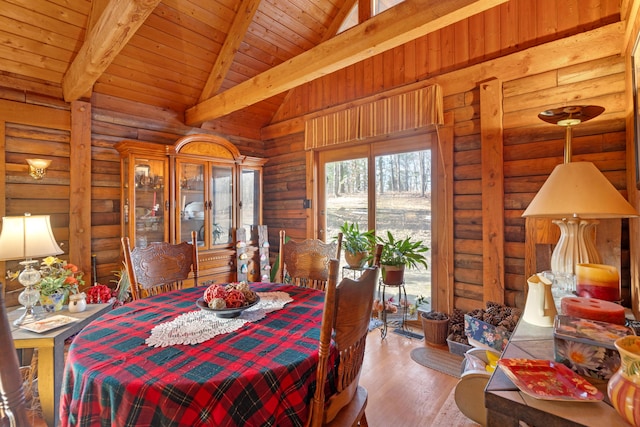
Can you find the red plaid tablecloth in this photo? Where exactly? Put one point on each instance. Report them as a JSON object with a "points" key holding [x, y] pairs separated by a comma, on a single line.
{"points": [[263, 374]]}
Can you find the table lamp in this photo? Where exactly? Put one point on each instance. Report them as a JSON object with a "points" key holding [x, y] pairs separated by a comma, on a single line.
{"points": [[575, 194], [27, 237]]}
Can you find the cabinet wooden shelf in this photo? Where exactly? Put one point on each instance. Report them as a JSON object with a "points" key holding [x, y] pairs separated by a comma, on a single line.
{"points": [[201, 183]]}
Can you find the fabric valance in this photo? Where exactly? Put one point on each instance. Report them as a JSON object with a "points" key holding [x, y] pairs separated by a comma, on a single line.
{"points": [[396, 113]]}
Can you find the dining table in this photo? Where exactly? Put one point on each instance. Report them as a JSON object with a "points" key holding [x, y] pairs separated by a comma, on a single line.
{"points": [[166, 361]]}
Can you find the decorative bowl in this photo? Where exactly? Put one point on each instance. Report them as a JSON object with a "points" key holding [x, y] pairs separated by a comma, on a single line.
{"points": [[225, 313]]}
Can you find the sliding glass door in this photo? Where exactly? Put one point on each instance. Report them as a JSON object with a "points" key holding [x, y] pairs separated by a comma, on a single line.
{"points": [[396, 197]]}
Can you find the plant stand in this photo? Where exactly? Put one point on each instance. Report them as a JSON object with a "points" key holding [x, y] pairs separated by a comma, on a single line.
{"points": [[402, 302]]}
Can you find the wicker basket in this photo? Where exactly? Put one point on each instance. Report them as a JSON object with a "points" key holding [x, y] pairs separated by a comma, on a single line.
{"points": [[435, 331]]}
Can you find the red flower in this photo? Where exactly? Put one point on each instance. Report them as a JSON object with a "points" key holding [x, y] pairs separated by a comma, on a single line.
{"points": [[72, 267]]}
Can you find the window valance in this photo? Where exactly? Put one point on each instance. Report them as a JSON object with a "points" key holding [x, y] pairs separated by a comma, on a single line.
{"points": [[396, 113]]}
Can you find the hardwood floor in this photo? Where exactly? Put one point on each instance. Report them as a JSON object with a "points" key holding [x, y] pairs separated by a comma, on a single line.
{"points": [[402, 393]]}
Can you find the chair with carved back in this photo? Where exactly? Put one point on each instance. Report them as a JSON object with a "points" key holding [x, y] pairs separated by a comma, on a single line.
{"points": [[13, 405], [306, 263], [160, 266], [377, 254], [345, 320]]}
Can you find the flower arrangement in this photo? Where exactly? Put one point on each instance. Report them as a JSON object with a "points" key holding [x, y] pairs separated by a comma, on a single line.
{"points": [[59, 276]]}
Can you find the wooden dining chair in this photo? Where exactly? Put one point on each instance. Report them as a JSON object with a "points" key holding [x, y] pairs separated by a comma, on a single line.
{"points": [[160, 266], [345, 320], [377, 254], [13, 405], [306, 263]]}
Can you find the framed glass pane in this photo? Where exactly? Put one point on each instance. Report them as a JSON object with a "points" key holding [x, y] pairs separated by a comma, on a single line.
{"points": [[191, 199], [249, 199], [149, 203], [222, 204]]}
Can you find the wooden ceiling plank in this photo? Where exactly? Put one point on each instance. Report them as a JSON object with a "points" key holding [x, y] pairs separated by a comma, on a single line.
{"points": [[117, 24], [287, 27], [223, 62], [214, 13], [30, 18], [296, 11], [331, 31], [407, 21]]}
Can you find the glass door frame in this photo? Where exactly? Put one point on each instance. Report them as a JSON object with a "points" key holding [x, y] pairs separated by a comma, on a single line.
{"points": [[336, 155], [421, 141]]}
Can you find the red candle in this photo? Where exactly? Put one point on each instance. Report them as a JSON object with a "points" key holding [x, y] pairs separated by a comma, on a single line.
{"points": [[598, 281]]}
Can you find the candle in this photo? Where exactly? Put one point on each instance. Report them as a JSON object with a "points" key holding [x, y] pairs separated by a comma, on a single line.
{"points": [[598, 281], [153, 208]]}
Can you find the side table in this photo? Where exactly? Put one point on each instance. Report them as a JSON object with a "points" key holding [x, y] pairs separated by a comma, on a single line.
{"points": [[50, 347], [507, 405], [402, 304]]}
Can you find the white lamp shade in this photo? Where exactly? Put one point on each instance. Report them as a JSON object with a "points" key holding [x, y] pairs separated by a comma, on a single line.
{"points": [[579, 190], [28, 236]]}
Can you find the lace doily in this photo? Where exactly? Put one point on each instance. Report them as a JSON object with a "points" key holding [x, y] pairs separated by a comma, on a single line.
{"points": [[199, 326]]}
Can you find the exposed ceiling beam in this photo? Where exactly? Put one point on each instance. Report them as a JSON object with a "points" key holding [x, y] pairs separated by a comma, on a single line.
{"points": [[117, 24], [342, 14], [396, 26], [331, 31], [97, 7], [236, 34]]}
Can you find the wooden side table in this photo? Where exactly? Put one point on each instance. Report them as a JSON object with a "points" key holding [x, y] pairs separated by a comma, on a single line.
{"points": [[507, 405], [50, 347]]}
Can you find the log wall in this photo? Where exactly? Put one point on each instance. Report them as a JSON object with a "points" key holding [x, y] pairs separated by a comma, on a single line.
{"points": [[499, 31], [111, 120], [530, 81]]}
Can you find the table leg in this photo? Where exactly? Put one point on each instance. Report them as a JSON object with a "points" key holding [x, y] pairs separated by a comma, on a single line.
{"points": [[50, 367]]}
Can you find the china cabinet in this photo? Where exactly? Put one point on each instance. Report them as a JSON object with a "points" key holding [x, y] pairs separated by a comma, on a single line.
{"points": [[145, 193], [201, 183]]}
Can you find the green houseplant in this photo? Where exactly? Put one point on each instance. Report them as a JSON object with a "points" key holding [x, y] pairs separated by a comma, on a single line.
{"points": [[397, 254], [356, 244], [59, 279]]}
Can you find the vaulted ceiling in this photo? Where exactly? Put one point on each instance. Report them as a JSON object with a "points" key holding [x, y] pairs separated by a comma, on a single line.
{"points": [[207, 60]]}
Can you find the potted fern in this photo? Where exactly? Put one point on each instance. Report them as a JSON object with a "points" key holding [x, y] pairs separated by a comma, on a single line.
{"points": [[356, 244], [398, 254]]}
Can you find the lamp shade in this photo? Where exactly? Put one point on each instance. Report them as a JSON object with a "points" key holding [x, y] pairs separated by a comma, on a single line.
{"points": [[579, 190], [28, 236]]}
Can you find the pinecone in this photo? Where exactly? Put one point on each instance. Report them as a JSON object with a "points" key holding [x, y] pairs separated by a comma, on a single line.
{"points": [[436, 315]]}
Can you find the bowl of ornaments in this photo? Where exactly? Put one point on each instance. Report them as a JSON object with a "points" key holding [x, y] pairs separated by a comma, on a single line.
{"points": [[228, 301]]}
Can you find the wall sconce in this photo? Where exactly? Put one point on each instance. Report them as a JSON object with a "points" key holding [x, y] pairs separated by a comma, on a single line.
{"points": [[38, 167]]}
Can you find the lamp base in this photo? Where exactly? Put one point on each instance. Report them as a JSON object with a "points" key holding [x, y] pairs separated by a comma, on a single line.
{"points": [[29, 316], [575, 246]]}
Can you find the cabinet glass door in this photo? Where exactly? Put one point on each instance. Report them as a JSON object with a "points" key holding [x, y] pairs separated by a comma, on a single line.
{"points": [[149, 207], [249, 199], [221, 196], [192, 202]]}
